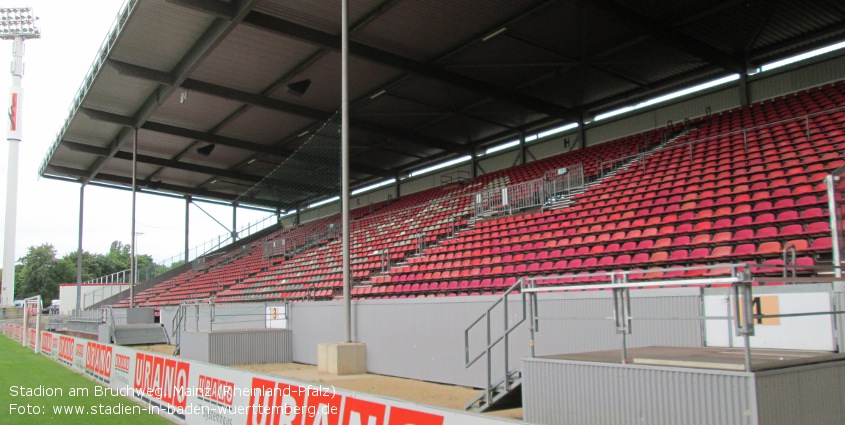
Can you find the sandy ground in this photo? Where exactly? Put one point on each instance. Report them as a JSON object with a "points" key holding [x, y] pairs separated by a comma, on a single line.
{"points": [[429, 393], [157, 348], [432, 394]]}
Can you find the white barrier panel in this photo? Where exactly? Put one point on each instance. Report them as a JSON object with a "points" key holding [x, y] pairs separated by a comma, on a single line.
{"points": [[791, 333], [199, 393]]}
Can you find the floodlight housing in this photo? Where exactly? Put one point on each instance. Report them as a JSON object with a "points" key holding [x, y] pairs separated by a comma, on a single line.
{"points": [[18, 22]]}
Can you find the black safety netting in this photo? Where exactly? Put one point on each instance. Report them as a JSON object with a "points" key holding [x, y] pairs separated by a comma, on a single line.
{"points": [[312, 172]]}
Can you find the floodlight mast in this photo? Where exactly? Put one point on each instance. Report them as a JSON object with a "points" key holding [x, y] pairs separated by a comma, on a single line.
{"points": [[16, 24]]}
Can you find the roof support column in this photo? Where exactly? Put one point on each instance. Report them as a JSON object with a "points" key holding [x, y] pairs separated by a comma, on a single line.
{"points": [[744, 92], [581, 133], [132, 259], [187, 227], [522, 151], [234, 222], [473, 167], [79, 250], [344, 168]]}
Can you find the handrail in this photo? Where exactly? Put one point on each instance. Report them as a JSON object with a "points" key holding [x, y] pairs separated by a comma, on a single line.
{"points": [[834, 200], [741, 280], [529, 193], [504, 338], [116, 277], [112, 332], [175, 325], [221, 240], [622, 159], [385, 260], [100, 292], [786, 265], [745, 130], [621, 285]]}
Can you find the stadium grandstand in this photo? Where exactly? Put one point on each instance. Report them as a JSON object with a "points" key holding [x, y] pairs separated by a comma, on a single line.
{"points": [[528, 179]]}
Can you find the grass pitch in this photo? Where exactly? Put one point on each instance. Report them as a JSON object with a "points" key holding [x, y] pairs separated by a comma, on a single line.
{"points": [[23, 372]]}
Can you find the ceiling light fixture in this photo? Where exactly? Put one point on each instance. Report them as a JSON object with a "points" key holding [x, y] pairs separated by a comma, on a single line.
{"points": [[206, 150], [298, 88], [494, 33]]}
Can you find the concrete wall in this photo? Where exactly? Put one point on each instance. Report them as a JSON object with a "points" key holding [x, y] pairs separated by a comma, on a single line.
{"points": [[136, 316], [815, 73], [67, 294], [496, 161], [430, 180]]}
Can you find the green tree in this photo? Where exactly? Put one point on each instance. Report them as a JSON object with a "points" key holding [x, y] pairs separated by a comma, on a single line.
{"points": [[40, 273]]}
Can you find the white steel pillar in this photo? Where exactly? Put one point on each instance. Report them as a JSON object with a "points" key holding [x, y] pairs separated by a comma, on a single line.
{"points": [[344, 167], [16, 24], [234, 222], [132, 260], [14, 138], [79, 250], [187, 227]]}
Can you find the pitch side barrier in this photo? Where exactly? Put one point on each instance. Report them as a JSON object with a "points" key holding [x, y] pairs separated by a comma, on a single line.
{"points": [[738, 280], [193, 392]]}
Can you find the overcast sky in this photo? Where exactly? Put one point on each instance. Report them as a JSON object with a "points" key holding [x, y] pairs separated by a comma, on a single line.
{"points": [[71, 35]]}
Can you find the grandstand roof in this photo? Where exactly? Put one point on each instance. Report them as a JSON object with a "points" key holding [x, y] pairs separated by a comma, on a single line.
{"points": [[429, 79]]}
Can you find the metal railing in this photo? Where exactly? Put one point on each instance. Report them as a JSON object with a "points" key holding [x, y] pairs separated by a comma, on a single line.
{"points": [[274, 248], [805, 120], [220, 241], [116, 277], [533, 193], [86, 321], [112, 332], [836, 205], [738, 276], [508, 199], [491, 343], [457, 176], [608, 166], [102, 293], [564, 181], [175, 326], [419, 243], [385, 260]]}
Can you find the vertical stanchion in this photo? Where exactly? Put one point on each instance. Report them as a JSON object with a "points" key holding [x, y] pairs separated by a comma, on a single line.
{"points": [[505, 338], [19, 25], [132, 260], [38, 306], [187, 227], [344, 166], [489, 385], [835, 223], [79, 304]]}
